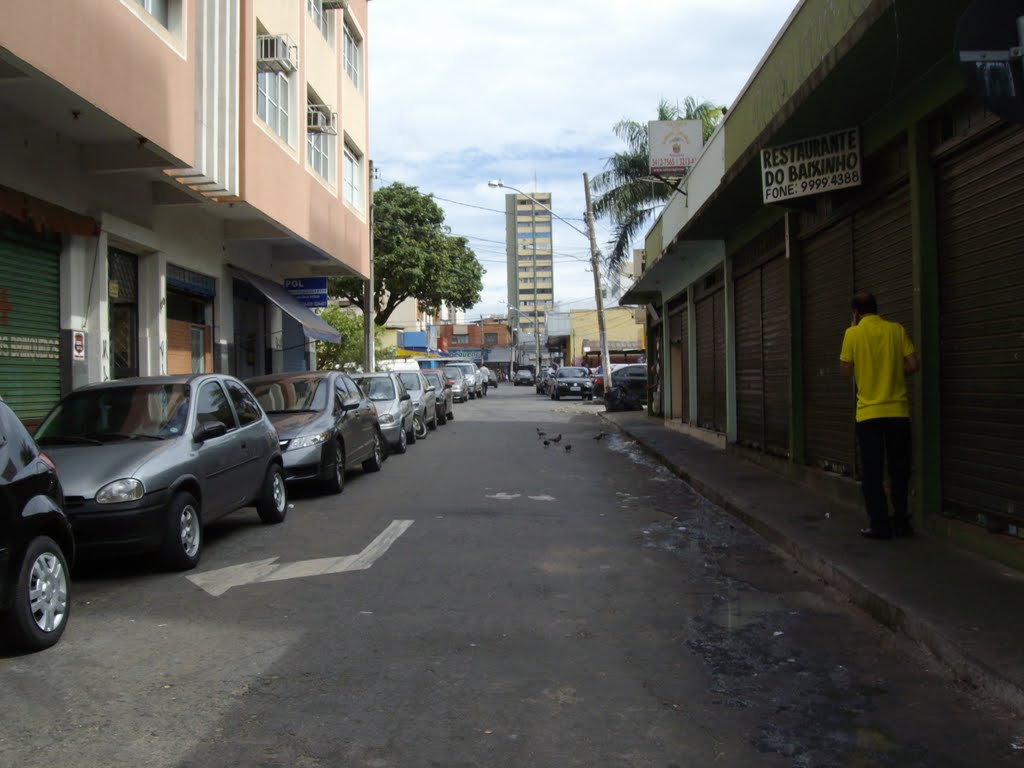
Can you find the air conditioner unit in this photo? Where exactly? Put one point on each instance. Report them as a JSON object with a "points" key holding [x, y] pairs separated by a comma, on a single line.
{"points": [[334, 5], [275, 53], [320, 119]]}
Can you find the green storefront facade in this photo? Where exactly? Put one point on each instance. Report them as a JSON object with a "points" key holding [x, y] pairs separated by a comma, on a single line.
{"points": [[750, 299]]}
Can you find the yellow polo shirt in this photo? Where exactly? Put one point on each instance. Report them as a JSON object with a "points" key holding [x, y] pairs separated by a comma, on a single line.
{"points": [[876, 347]]}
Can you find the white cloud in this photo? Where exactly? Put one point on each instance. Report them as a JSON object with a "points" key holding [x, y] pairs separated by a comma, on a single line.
{"points": [[463, 91]]}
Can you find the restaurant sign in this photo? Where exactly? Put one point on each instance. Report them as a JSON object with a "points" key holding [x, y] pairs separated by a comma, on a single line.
{"points": [[811, 166]]}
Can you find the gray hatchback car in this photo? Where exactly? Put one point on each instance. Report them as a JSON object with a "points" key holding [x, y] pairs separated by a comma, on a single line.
{"points": [[147, 462]]}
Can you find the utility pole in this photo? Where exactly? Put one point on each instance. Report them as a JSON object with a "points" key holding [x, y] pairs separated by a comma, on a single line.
{"points": [[369, 353], [595, 265], [536, 318]]}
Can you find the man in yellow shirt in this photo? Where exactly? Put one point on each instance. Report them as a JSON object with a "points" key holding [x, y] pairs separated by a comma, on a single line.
{"points": [[879, 355]]}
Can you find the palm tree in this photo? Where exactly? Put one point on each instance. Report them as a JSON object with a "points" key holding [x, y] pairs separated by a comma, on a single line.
{"points": [[626, 193]]}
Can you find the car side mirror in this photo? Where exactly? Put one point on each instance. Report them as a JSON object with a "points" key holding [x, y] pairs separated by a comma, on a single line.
{"points": [[350, 404], [406, 396], [431, 389], [208, 430]]}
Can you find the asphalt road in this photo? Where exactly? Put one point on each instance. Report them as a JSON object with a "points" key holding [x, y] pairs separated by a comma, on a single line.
{"points": [[532, 606]]}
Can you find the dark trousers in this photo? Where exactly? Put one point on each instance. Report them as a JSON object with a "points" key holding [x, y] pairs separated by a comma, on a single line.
{"points": [[885, 442]]}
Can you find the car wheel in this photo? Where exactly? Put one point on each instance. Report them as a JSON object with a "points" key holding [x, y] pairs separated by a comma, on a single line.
{"points": [[273, 504], [419, 427], [432, 424], [334, 477], [374, 463], [442, 417], [403, 442], [42, 597], [183, 539]]}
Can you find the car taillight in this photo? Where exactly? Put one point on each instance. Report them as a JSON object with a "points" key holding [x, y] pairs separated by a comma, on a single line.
{"points": [[451, 382]]}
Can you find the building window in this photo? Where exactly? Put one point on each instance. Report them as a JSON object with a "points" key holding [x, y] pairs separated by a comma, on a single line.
{"points": [[320, 131], [353, 57], [273, 93], [158, 10], [460, 338], [490, 338], [353, 179], [320, 19]]}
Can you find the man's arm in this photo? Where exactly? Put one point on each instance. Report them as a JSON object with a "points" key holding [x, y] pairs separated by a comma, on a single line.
{"points": [[846, 368], [910, 364]]}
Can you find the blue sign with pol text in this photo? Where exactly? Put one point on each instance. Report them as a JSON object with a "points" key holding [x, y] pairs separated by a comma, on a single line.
{"points": [[310, 291]]}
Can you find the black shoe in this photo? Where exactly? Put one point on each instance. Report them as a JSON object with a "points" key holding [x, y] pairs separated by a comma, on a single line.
{"points": [[871, 533]]}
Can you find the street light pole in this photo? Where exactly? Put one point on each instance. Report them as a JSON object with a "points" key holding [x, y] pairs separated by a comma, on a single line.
{"points": [[595, 265], [536, 323]]}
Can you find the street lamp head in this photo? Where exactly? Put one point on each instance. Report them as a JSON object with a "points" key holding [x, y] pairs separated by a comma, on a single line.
{"points": [[495, 183]]}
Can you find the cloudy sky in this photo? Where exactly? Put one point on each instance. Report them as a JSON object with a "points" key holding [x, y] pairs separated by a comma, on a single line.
{"points": [[528, 91]]}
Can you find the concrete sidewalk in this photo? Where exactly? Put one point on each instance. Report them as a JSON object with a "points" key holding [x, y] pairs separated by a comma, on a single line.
{"points": [[965, 609]]}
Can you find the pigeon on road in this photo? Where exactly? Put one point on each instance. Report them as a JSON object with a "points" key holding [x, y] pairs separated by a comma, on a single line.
{"points": [[568, 447], [556, 438], [599, 435]]}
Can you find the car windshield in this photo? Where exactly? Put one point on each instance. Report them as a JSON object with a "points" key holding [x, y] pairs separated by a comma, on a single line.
{"points": [[572, 373], [411, 381], [143, 411], [378, 388], [292, 395], [454, 373]]}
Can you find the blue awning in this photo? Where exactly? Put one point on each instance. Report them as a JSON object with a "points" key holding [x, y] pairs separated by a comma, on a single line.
{"points": [[312, 326]]}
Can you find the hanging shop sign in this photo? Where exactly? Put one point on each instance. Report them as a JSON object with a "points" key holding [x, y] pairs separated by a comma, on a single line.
{"points": [[811, 166], [310, 291], [675, 146]]}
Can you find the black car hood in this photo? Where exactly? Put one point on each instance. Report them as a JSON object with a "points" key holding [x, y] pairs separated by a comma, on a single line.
{"points": [[291, 425]]}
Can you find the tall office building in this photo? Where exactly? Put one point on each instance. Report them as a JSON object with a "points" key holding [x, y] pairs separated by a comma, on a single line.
{"points": [[530, 266]]}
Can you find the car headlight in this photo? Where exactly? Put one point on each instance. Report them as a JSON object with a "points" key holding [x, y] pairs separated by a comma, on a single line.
{"points": [[128, 489], [386, 418], [307, 441]]}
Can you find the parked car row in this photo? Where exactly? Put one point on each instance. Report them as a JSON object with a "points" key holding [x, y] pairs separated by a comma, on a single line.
{"points": [[143, 465]]}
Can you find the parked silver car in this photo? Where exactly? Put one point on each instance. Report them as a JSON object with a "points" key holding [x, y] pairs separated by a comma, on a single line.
{"points": [[147, 462], [460, 389], [325, 424], [444, 398], [424, 395], [473, 378], [394, 407]]}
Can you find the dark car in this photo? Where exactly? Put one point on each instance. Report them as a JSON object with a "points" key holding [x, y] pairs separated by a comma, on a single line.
{"points": [[523, 378], [572, 381], [37, 547], [147, 462], [543, 385], [325, 424], [633, 379], [444, 398]]}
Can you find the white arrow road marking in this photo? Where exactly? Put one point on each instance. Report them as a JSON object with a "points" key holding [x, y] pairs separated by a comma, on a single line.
{"points": [[221, 580]]}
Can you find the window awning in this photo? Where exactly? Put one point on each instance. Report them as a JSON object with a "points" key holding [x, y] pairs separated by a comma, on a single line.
{"points": [[312, 326]]}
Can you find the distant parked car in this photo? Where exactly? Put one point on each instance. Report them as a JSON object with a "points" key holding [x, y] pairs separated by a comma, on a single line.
{"points": [[473, 378], [632, 378], [523, 378], [543, 383], [147, 462], [325, 425], [423, 406], [572, 381], [37, 547], [394, 407], [443, 397], [460, 389]]}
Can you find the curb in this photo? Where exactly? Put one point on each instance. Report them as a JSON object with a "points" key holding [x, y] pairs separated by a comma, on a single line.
{"points": [[876, 604]]}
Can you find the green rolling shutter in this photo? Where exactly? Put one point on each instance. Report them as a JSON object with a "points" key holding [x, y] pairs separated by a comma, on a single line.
{"points": [[29, 324]]}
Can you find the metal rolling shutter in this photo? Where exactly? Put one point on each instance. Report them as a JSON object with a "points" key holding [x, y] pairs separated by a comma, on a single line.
{"points": [[828, 397], [721, 412], [706, 363], [981, 266], [775, 343], [680, 369], [29, 324], [749, 362]]}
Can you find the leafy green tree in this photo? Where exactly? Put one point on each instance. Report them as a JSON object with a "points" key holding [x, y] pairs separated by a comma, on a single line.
{"points": [[414, 256], [348, 354], [626, 193]]}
